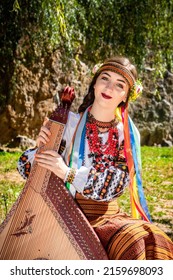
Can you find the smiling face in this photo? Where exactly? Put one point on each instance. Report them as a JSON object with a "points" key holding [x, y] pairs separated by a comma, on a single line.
{"points": [[110, 90]]}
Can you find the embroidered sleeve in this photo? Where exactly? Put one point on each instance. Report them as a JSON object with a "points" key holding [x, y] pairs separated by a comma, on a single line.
{"points": [[101, 185], [81, 177], [106, 185], [25, 162]]}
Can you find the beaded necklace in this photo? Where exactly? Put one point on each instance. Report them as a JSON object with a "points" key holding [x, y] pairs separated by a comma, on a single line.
{"points": [[103, 154], [100, 124]]}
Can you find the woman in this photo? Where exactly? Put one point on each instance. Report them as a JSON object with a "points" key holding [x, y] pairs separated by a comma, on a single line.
{"points": [[101, 158]]}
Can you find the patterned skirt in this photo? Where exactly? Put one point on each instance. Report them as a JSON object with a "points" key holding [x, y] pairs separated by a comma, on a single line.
{"points": [[125, 238]]}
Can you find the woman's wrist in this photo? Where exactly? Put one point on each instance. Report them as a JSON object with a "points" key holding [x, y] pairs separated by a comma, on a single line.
{"points": [[70, 175]]}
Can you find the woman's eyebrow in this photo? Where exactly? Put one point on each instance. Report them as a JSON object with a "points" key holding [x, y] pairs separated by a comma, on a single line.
{"points": [[121, 81], [105, 73]]}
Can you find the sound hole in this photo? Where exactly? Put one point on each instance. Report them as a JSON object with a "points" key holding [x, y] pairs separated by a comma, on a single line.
{"points": [[40, 258]]}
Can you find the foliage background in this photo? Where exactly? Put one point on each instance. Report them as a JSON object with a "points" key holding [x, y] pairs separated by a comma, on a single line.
{"points": [[89, 30]]}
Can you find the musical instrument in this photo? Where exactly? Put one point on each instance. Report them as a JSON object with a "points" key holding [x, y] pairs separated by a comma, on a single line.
{"points": [[45, 222]]}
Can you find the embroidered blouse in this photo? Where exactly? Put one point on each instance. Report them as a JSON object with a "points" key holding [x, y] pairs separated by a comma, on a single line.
{"points": [[103, 186]]}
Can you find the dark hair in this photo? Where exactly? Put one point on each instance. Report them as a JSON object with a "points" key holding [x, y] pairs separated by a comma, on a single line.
{"points": [[89, 98]]}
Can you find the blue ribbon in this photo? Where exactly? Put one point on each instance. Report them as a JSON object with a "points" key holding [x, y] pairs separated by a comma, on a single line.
{"points": [[137, 164]]}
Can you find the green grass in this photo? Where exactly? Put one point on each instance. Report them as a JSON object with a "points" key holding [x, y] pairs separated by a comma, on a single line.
{"points": [[10, 187], [157, 173], [8, 161]]}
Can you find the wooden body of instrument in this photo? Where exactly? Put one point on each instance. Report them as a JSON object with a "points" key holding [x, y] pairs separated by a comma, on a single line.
{"points": [[45, 222]]}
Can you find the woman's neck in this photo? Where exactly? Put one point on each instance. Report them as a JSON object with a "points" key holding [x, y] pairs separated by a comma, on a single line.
{"points": [[102, 114]]}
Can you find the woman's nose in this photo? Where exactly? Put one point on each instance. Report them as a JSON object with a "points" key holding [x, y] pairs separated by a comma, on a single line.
{"points": [[110, 85]]}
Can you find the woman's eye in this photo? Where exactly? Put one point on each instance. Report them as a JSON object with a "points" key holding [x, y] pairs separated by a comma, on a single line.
{"points": [[104, 78], [119, 85]]}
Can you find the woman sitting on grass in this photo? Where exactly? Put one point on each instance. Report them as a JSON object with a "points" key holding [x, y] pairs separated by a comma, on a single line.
{"points": [[102, 144]]}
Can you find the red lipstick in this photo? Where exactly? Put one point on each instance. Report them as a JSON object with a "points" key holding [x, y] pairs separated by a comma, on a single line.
{"points": [[106, 96]]}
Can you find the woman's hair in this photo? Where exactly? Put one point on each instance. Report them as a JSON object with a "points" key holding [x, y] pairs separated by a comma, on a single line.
{"points": [[119, 61]]}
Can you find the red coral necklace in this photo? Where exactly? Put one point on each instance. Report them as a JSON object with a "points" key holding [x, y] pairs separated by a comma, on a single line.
{"points": [[95, 142]]}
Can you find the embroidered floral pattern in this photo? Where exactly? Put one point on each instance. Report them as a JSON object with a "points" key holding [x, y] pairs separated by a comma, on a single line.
{"points": [[26, 225]]}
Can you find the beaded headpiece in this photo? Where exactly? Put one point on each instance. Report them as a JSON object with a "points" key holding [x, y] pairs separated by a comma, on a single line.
{"points": [[135, 85]]}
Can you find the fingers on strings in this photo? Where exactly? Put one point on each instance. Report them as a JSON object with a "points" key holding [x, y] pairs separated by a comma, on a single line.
{"points": [[44, 135]]}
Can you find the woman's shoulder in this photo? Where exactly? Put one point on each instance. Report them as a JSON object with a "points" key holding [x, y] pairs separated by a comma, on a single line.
{"points": [[73, 118], [74, 115], [72, 121]]}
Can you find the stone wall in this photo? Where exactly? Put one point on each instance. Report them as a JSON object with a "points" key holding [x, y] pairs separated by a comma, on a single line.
{"points": [[153, 112], [34, 93]]}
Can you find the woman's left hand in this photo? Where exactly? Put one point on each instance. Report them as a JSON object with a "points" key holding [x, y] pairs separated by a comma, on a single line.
{"points": [[53, 161]]}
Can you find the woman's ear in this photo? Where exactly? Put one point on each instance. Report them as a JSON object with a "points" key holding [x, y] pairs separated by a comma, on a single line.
{"points": [[124, 97]]}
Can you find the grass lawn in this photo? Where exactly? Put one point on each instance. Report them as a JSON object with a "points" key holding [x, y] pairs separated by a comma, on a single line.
{"points": [[157, 174]]}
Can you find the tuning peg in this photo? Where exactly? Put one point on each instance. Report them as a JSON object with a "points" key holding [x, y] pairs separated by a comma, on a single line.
{"points": [[68, 96]]}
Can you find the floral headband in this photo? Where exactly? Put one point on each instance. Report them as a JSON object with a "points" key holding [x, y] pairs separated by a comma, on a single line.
{"points": [[135, 85]]}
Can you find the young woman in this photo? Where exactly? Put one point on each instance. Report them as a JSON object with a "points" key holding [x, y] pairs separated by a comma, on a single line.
{"points": [[101, 158]]}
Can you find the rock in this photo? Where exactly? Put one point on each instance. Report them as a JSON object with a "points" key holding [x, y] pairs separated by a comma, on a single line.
{"points": [[166, 143], [34, 93], [22, 142]]}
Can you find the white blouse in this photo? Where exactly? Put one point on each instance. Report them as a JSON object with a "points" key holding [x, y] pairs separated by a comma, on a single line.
{"points": [[87, 180]]}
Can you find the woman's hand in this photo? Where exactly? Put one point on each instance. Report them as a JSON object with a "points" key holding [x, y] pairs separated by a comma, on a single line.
{"points": [[52, 161], [44, 134]]}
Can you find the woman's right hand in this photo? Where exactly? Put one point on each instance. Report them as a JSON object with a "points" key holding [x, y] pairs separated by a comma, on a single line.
{"points": [[44, 134]]}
